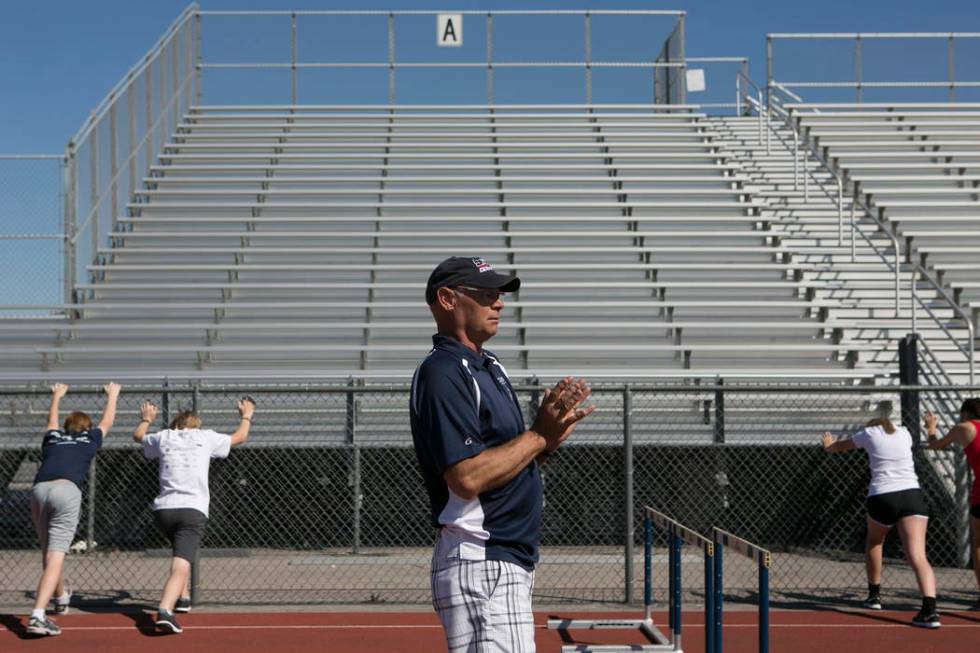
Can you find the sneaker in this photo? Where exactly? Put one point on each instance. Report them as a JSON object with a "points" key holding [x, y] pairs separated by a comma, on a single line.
{"points": [[183, 605], [59, 607], [167, 622], [923, 620], [44, 626], [873, 602]]}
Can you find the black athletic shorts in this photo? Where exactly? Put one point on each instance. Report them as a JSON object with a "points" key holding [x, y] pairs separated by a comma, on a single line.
{"points": [[888, 508], [975, 511], [184, 528]]}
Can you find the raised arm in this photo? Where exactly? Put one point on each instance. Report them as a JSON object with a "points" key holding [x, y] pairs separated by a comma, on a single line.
{"points": [[835, 445], [109, 414], [148, 413], [58, 390], [962, 433], [246, 408]]}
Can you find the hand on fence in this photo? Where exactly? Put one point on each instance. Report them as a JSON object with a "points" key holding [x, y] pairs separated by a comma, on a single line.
{"points": [[59, 390], [246, 407], [560, 412], [148, 411], [828, 440], [112, 389], [931, 422]]}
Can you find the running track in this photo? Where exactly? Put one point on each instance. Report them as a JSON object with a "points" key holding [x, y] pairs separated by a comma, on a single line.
{"points": [[369, 632]]}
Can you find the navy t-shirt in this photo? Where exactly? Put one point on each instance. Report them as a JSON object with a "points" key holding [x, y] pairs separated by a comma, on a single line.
{"points": [[68, 455], [462, 403]]}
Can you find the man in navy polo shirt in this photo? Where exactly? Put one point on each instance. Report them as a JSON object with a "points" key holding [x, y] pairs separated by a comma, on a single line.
{"points": [[480, 463]]}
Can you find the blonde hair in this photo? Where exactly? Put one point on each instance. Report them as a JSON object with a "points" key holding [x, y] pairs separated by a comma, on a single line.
{"points": [[186, 420], [883, 422], [77, 421]]}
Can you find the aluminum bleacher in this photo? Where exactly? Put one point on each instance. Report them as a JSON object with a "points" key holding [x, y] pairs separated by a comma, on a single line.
{"points": [[296, 240]]}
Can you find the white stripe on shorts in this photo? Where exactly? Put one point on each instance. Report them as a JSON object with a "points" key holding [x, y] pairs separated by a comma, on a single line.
{"points": [[484, 605]]}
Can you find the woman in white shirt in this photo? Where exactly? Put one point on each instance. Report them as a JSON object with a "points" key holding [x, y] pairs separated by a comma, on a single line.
{"points": [[894, 499], [180, 510]]}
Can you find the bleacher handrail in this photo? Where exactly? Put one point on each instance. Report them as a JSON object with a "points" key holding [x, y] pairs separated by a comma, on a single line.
{"points": [[858, 201]]}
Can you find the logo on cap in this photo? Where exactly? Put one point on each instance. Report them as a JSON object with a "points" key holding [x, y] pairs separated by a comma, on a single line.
{"points": [[482, 265]]}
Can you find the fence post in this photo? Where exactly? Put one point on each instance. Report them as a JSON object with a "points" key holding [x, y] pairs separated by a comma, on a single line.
{"points": [[349, 431], [70, 189], [908, 372], [719, 411], [628, 488], [292, 57], [165, 402], [195, 564], [90, 522], [721, 464]]}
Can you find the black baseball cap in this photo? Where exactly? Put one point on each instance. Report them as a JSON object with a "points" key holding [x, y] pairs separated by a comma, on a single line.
{"points": [[474, 272]]}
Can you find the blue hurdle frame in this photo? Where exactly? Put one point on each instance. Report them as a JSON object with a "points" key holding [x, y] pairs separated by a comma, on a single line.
{"points": [[677, 535], [763, 558]]}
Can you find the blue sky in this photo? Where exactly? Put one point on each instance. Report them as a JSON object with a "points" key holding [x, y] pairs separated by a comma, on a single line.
{"points": [[61, 56]]}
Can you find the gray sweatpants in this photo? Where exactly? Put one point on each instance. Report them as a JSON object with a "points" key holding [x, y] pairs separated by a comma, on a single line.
{"points": [[55, 506]]}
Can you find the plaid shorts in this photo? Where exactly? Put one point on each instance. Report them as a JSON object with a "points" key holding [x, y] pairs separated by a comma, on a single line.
{"points": [[484, 605]]}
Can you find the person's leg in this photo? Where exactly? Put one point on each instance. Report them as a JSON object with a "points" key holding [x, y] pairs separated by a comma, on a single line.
{"points": [[511, 626], [912, 531], [180, 571], [460, 600], [53, 561], [975, 528], [873, 548], [56, 518]]}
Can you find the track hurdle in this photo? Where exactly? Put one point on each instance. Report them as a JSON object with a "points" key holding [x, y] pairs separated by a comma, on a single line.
{"points": [[763, 558], [677, 535]]}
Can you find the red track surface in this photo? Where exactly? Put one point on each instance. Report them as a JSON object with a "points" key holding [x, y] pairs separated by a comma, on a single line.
{"points": [[368, 632]]}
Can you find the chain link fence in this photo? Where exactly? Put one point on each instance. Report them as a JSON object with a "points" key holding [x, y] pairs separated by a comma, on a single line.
{"points": [[325, 503], [32, 232]]}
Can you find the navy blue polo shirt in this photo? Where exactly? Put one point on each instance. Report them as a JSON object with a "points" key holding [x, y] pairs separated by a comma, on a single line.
{"points": [[68, 455], [462, 403]]}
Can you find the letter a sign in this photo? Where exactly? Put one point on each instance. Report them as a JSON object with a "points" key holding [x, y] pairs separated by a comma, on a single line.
{"points": [[449, 32]]}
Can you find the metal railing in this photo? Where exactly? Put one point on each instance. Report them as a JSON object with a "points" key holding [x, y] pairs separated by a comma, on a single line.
{"points": [[794, 121], [859, 83], [103, 162], [670, 61]]}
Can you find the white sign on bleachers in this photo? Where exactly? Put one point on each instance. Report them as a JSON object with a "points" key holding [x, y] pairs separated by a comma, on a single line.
{"points": [[449, 30], [695, 80]]}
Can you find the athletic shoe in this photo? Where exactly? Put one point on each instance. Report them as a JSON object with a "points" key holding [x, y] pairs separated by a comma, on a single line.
{"points": [[44, 626], [167, 622], [873, 602], [923, 620], [183, 605], [59, 607]]}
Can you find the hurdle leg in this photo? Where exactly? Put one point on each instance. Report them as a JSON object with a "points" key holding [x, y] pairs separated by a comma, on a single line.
{"points": [[763, 607], [675, 599], [709, 601], [647, 569], [719, 588]]}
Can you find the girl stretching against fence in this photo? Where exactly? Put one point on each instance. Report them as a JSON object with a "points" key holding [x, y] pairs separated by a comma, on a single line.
{"points": [[56, 497], [180, 510], [894, 499], [965, 435]]}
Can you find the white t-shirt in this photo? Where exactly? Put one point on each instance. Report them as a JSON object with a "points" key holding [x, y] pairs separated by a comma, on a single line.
{"points": [[185, 458], [890, 455]]}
